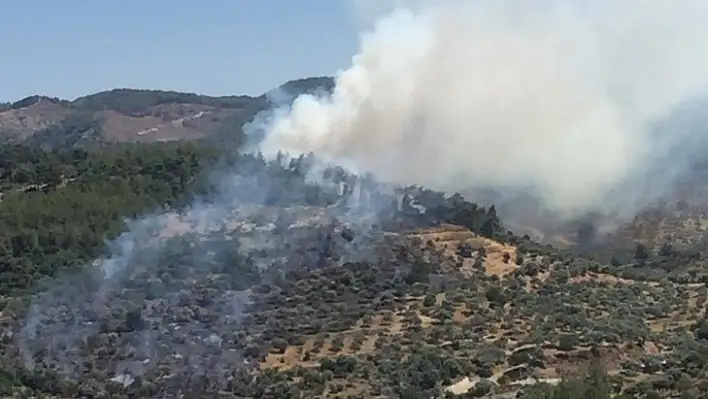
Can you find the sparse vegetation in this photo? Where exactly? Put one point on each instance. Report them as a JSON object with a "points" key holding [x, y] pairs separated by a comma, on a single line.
{"points": [[138, 115]]}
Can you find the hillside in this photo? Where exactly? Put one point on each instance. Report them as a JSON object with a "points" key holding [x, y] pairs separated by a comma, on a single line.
{"points": [[125, 115], [228, 276], [276, 288]]}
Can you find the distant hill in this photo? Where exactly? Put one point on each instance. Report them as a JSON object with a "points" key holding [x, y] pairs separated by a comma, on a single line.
{"points": [[122, 115]]}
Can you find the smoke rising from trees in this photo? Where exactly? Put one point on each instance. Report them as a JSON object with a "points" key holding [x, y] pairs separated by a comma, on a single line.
{"points": [[559, 98]]}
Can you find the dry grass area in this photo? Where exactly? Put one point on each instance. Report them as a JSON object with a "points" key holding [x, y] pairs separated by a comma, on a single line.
{"points": [[362, 339], [163, 122], [684, 317], [681, 227], [23, 122], [384, 326], [356, 341], [500, 259], [569, 304], [680, 319]]}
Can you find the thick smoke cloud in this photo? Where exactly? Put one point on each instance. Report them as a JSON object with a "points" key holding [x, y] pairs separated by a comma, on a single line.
{"points": [[557, 98]]}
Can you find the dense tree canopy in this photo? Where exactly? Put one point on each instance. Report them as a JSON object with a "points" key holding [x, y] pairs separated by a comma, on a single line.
{"points": [[60, 207]]}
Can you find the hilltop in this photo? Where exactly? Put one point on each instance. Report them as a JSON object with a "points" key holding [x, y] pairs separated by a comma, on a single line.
{"points": [[127, 115]]}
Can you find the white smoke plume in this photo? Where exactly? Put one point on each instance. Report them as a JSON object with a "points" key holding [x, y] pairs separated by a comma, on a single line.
{"points": [[559, 96]]}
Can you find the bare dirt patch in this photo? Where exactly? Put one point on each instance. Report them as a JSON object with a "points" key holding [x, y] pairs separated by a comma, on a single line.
{"points": [[499, 258], [23, 122], [163, 123]]}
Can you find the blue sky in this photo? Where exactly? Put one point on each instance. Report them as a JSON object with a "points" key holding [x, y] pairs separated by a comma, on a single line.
{"points": [[70, 48]]}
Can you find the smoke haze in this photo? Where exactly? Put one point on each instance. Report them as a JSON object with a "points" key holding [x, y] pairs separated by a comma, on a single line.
{"points": [[173, 289], [559, 98], [556, 97]]}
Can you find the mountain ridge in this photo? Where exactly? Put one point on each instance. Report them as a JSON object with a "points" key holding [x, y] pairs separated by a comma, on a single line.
{"points": [[127, 114]]}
